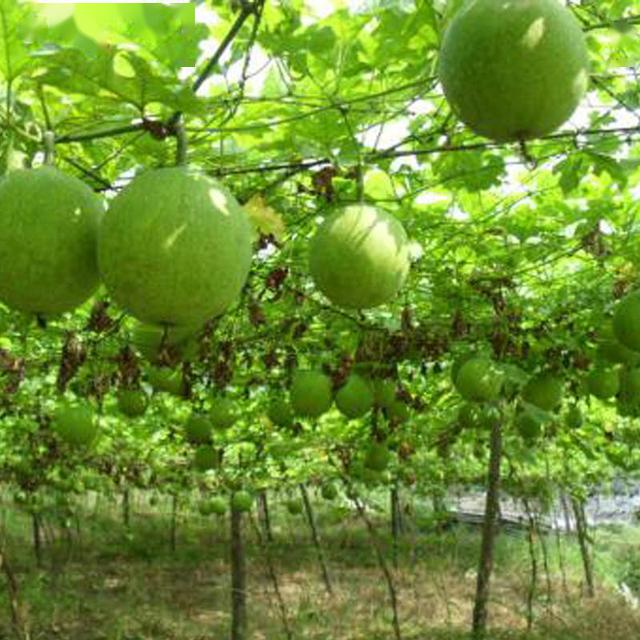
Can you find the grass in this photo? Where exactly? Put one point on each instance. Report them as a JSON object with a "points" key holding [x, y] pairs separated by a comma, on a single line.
{"points": [[102, 582]]}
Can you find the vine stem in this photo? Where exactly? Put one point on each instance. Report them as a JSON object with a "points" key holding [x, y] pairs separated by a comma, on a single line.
{"points": [[182, 143], [49, 140], [246, 11]]}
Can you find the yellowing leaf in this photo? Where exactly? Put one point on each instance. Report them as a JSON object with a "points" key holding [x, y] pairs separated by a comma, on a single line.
{"points": [[265, 219]]}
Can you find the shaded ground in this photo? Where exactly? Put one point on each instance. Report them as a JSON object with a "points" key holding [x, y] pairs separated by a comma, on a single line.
{"points": [[105, 583]]}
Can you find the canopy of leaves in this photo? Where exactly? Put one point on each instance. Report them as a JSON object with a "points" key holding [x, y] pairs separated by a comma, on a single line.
{"points": [[519, 251]]}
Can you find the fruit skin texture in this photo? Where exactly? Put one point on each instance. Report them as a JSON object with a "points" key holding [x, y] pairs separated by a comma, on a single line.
{"points": [[398, 411], [603, 383], [174, 247], [75, 423], [530, 422], [311, 393], [48, 234], [132, 403], [384, 393], [514, 69], [626, 321], [611, 350], [294, 507], [168, 380], [218, 506], [479, 380], [355, 398], [329, 492], [198, 429], [280, 413], [377, 458], [205, 458], [544, 391], [241, 501], [359, 258], [222, 414], [148, 339], [205, 508], [573, 418], [630, 385]]}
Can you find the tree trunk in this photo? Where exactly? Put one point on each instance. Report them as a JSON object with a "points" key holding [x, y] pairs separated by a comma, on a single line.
{"points": [[533, 583], [489, 534], [126, 509], [18, 615], [238, 579], [174, 523], [545, 563], [265, 516], [561, 564], [37, 538], [566, 512], [265, 545], [393, 595], [316, 538], [583, 540], [395, 523]]}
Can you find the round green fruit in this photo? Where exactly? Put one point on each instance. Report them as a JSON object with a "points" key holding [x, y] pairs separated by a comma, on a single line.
{"points": [[294, 507], [151, 340], [458, 363], [611, 350], [530, 423], [630, 385], [168, 380], [515, 379], [513, 70], [398, 411], [204, 508], [205, 458], [311, 393], [198, 429], [573, 418], [132, 403], [329, 492], [626, 321], [359, 258], [281, 414], [544, 391], [355, 398], [48, 233], [384, 392], [222, 414], [479, 380], [75, 423], [628, 409], [241, 501], [218, 506], [174, 247], [377, 458], [603, 383]]}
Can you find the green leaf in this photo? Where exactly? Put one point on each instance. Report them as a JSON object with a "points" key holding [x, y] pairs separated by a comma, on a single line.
{"points": [[378, 185], [15, 21]]}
